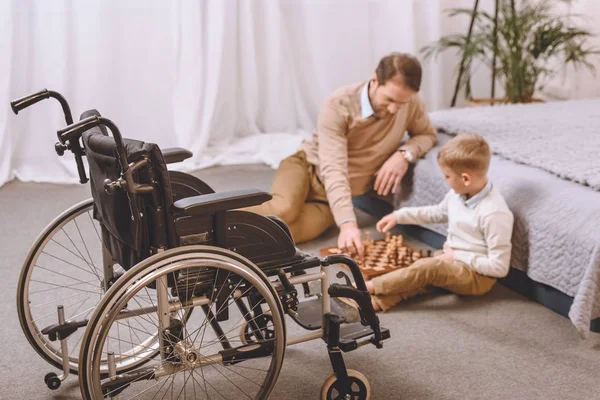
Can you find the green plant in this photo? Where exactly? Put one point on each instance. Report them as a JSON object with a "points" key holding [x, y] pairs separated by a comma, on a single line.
{"points": [[532, 44]]}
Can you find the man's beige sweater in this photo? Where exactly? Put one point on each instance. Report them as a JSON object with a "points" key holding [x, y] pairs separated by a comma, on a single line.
{"points": [[348, 150]]}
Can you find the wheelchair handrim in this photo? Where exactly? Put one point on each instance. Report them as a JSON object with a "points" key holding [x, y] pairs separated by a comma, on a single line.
{"points": [[162, 264]]}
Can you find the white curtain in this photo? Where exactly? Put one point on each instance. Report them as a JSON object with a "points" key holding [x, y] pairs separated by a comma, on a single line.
{"points": [[234, 81], [581, 83]]}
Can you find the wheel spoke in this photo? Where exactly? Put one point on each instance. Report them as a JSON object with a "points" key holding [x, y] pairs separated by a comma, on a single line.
{"points": [[214, 374]]}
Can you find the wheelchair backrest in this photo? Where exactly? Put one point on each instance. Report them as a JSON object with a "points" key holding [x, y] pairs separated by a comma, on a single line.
{"points": [[134, 225]]}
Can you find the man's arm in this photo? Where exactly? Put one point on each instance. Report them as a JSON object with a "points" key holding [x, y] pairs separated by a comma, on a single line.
{"points": [[424, 215], [333, 161], [422, 134], [497, 230]]}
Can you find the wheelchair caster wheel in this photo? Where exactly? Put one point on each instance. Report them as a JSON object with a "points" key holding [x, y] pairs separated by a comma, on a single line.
{"points": [[52, 381], [264, 322], [359, 387]]}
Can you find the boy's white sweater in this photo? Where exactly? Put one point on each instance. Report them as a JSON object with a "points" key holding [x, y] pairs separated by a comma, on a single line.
{"points": [[479, 231]]}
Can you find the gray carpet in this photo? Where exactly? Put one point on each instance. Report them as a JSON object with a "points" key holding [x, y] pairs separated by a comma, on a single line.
{"points": [[500, 346]]}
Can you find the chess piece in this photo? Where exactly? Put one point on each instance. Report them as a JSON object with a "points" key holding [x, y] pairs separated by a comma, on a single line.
{"points": [[400, 240], [368, 242]]}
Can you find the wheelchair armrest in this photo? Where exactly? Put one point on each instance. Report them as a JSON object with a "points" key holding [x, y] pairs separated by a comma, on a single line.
{"points": [[223, 201], [175, 154]]}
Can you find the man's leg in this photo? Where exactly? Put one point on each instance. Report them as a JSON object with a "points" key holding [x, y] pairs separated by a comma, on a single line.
{"points": [[456, 277], [289, 189], [313, 220], [373, 204]]}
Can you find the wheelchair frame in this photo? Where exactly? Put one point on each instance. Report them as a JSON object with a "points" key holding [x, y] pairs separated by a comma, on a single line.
{"points": [[194, 198]]}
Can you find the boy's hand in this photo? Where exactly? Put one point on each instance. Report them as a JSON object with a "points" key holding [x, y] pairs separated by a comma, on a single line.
{"points": [[390, 174], [448, 255], [386, 223], [350, 238]]}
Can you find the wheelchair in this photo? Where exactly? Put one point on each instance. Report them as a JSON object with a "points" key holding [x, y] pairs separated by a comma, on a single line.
{"points": [[159, 287]]}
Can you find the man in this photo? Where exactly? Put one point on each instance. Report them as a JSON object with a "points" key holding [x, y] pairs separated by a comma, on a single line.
{"points": [[356, 148]]}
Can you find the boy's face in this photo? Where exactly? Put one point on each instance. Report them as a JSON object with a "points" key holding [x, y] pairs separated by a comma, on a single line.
{"points": [[458, 181]]}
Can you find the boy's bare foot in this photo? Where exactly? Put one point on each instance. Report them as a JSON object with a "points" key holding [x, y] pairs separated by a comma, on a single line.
{"points": [[349, 309], [354, 305], [375, 305], [369, 285]]}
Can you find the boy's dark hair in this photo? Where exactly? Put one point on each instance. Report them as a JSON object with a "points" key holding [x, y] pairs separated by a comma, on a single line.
{"points": [[401, 65]]}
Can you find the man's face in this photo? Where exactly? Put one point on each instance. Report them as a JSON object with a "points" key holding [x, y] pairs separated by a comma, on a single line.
{"points": [[389, 98]]}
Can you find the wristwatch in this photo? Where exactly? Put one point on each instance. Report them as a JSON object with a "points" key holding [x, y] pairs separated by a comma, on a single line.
{"points": [[407, 155]]}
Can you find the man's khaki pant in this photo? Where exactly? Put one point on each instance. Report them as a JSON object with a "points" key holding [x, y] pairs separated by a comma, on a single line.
{"points": [[299, 199], [424, 275]]}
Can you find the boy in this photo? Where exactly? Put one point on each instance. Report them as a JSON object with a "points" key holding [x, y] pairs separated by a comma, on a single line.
{"points": [[478, 246]]}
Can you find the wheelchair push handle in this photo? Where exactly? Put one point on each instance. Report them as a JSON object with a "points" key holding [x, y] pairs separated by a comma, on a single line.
{"points": [[73, 132], [29, 100], [71, 142]]}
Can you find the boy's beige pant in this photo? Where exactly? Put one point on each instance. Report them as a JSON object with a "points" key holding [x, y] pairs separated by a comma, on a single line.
{"points": [[424, 275], [299, 198]]}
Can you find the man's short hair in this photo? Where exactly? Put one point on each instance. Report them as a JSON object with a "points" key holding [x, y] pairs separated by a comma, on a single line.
{"points": [[400, 65], [467, 151]]}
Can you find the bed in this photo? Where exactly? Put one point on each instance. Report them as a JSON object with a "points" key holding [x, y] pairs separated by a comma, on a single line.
{"points": [[546, 163]]}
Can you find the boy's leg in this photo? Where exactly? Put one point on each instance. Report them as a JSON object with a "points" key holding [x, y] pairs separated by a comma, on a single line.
{"points": [[314, 219], [456, 277], [290, 189], [384, 303]]}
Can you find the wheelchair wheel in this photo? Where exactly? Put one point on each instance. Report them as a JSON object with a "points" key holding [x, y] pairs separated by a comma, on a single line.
{"points": [[63, 267], [185, 185], [359, 389], [203, 356]]}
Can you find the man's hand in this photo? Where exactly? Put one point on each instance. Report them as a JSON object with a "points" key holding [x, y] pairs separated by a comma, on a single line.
{"points": [[386, 223], [350, 237], [390, 174]]}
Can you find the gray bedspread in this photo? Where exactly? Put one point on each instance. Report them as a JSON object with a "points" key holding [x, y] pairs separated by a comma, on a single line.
{"points": [[557, 226], [560, 137]]}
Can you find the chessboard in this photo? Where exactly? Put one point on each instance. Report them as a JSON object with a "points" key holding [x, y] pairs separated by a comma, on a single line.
{"points": [[382, 255]]}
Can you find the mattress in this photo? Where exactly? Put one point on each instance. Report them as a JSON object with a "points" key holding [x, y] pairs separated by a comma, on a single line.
{"points": [[556, 234]]}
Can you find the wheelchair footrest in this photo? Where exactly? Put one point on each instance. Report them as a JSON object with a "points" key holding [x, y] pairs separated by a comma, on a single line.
{"points": [[350, 335], [310, 314], [58, 331]]}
